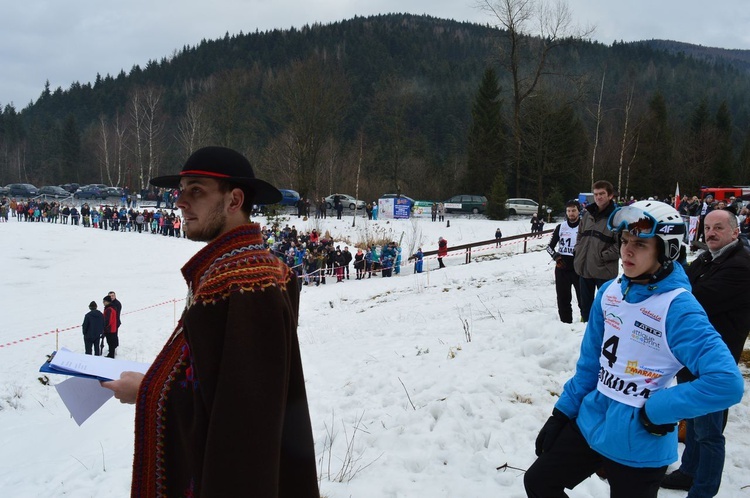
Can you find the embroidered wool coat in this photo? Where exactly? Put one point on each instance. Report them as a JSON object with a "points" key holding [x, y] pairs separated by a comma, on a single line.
{"points": [[223, 410]]}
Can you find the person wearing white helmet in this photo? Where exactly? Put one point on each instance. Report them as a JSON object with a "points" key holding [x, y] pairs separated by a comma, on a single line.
{"points": [[617, 414]]}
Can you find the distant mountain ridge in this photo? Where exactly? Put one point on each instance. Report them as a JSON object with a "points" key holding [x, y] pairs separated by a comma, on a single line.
{"points": [[400, 90], [735, 57]]}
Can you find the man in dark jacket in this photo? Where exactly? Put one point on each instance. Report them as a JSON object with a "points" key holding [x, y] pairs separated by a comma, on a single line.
{"points": [[719, 279], [597, 253], [93, 328], [562, 249], [117, 305], [339, 207], [347, 259]]}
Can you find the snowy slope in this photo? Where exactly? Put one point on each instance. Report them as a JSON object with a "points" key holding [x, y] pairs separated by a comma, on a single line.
{"points": [[413, 408]]}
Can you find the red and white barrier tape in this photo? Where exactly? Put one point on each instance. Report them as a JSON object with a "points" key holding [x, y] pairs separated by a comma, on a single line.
{"points": [[459, 252], [74, 327]]}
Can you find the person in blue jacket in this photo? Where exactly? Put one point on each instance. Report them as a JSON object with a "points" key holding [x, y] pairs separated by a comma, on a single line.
{"points": [[397, 264], [419, 257], [617, 414]]}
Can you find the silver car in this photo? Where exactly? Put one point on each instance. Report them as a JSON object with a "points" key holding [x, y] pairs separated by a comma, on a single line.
{"points": [[521, 206], [346, 200]]}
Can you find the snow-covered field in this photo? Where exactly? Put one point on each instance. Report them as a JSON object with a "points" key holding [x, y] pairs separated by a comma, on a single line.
{"points": [[403, 404]]}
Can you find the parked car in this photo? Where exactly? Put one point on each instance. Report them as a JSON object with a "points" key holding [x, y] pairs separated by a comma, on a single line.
{"points": [[112, 191], [70, 187], [100, 186], [346, 200], [54, 192], [24, 190], [89, 192], [4, 190], [289, 197], [521, 206], [467, 203]]}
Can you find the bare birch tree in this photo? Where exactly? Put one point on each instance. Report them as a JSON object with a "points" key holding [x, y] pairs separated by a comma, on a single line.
{"points": [[598, 126], [192, 129], [147, 132], [626, 142], [153, 128], [104, 151], [136, 129], [120, 137]]}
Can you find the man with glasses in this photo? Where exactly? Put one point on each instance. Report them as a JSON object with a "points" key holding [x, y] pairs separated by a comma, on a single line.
{"points": [[618, 413]]}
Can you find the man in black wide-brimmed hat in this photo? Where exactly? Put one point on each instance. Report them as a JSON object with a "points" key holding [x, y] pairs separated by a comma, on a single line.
{"points": [[223, 410]]}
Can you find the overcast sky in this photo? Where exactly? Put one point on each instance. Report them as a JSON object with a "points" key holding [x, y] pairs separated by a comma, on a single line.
{"points": [[71, 41]]}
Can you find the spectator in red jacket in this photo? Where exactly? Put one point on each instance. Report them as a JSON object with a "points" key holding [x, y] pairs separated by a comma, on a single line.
{"points": [[110, 326], [442, 251]]}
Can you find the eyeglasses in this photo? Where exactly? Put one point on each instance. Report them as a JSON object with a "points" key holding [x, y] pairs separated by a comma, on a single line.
{"points": [[640, 223]]}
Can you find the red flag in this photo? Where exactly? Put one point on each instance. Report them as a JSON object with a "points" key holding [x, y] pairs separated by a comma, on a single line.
{"points": [[677, 196]]}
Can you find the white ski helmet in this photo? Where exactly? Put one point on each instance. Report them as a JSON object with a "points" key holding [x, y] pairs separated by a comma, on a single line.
{"points": [[647, 219]]}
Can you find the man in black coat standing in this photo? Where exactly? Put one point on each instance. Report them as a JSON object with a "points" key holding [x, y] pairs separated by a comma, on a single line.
{"points": [[117, 305], [719, 279], [347, 259], [93, 328], [562, 249]]}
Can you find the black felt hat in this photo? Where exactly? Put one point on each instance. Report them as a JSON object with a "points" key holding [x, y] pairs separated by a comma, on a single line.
{"points": [[222, 163]]}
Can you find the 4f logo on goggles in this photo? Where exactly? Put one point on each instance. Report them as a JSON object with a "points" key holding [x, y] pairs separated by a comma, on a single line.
{"points": [[666, 229]]}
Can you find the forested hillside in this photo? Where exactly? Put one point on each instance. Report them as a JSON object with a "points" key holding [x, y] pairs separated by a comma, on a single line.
{"points": [[393, 103]]}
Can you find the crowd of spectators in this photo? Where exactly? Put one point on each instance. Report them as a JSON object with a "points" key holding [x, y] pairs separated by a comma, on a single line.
{"points": [[105, 217], [693, 206], [313, 256]]}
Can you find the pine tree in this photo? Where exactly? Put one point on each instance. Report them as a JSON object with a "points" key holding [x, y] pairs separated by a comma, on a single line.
{"points": [[496, 200], [485, 140], [654, 168], [723, 162], [70, 148]]}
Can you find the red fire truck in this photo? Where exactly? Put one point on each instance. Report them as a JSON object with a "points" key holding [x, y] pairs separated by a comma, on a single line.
{"points": [[724, 193]]}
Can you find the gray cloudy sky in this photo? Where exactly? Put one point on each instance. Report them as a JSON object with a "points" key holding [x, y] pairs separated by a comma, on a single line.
{"points": [[71, 41]]}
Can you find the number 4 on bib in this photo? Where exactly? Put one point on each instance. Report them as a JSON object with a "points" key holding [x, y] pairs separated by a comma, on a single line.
{"points": [[609, 350]]}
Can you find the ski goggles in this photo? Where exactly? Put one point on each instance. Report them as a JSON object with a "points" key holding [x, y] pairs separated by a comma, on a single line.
{"points": [[641, 224]]}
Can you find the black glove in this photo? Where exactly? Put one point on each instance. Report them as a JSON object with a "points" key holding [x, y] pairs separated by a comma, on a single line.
{"points": [[652, 428], [550, 431]]}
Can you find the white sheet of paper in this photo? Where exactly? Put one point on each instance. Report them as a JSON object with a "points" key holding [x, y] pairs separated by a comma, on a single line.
{"points": [[99, 366], [82, 397]]}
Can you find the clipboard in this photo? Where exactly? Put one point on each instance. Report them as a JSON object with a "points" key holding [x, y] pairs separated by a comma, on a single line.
{"points": [[66, 362]]}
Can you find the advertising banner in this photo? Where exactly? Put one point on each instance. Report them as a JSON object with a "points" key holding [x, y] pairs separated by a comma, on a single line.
{"points": [[398, 208], [422, 209]]}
